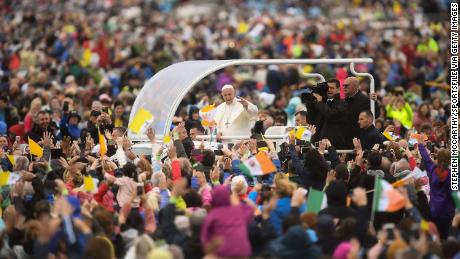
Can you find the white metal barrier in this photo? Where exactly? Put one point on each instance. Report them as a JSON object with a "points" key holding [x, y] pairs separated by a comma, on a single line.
{"points": [[310, 75], [275, 138]]}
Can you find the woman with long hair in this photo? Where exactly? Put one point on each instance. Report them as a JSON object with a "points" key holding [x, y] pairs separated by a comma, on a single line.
{"points": [[423, 116], [35, 107], [313, 170]]}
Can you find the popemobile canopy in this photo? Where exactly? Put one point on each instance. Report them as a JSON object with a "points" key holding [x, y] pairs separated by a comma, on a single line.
{"points": [[162, 94]]}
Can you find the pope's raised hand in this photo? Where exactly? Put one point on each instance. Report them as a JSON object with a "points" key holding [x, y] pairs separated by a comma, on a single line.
{"points": [[244, 102]]}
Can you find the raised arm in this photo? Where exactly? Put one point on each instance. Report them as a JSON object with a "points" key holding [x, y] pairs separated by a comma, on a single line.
{"points": [[426, 158]]}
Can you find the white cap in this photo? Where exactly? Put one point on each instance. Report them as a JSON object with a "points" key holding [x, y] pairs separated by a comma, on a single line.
{"points": [[227, 87]]}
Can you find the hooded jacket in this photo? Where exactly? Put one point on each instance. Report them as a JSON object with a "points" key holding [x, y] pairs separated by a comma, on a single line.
{"points": [[228, 223], [67, 129], [191, 122], [295, 244]]}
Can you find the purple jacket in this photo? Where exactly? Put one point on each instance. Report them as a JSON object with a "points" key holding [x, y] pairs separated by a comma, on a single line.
{"points": [[441, 203], [228, 223]]}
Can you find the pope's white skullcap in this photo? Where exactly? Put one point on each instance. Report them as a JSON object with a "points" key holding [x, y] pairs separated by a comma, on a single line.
{"points": [[228, 87]]}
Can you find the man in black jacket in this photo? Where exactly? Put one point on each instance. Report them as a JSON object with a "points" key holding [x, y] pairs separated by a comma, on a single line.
{"points": [[369, 135], [331, 115], [98, 122], [356, 102], [42, 126]]}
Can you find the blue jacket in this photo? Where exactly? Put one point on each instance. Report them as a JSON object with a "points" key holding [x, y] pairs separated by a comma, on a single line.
{"points": [[282, 210], [72, 131]]}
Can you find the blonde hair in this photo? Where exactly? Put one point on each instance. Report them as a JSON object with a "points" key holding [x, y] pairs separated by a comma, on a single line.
{"points": [[284, 188], [21, 163], [100, 247], [144, 244], [74, 172], [35, 106], [280, 176], [185, 165]]}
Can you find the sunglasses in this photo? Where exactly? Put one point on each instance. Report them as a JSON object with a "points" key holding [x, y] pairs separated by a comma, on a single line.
{"points": [[346, 85]]}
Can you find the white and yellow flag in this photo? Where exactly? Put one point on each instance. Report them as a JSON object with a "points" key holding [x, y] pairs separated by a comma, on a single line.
{"points": [[141, 121], [207, 115]]}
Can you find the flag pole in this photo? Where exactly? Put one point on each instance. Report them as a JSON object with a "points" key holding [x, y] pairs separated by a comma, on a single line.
{"points": [[30, 153], [374, 200], [210, 139]]}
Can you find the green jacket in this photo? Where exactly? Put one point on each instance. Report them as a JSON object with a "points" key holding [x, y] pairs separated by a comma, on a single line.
{"points": [[405, 115]]}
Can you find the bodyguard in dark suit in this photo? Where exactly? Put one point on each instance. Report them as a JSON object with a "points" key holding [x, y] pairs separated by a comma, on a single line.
{"points": [[356, 102], [332, 115], [369, 135]]}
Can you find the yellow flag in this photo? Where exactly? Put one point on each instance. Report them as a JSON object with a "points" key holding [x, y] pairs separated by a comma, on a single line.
{"points": [[4, 177], [35, 148], [292, 133], [166, 139], [397, 8], [89, 183], [86, 58], [102, 144], [243, 28], [299, 133], [424, 225], [142, 116], [388, 136], [207, 115], [11, 158]]}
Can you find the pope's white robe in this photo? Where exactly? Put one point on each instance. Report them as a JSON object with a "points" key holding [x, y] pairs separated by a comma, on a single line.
{"points": [[234, 120]]}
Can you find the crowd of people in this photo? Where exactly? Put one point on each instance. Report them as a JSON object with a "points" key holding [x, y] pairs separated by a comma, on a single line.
{"points": [[71, 70]]}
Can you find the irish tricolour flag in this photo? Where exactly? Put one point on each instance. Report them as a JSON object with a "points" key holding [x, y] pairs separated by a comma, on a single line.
{"points": [[259, 164], [386, 197], [317, 201]]}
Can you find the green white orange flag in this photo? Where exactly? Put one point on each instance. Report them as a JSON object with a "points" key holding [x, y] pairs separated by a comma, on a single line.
{"points": [[317, 201], [260, 164], [456, 198], [406, 180], [386, 197], [141, 121], [207, 115]]}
